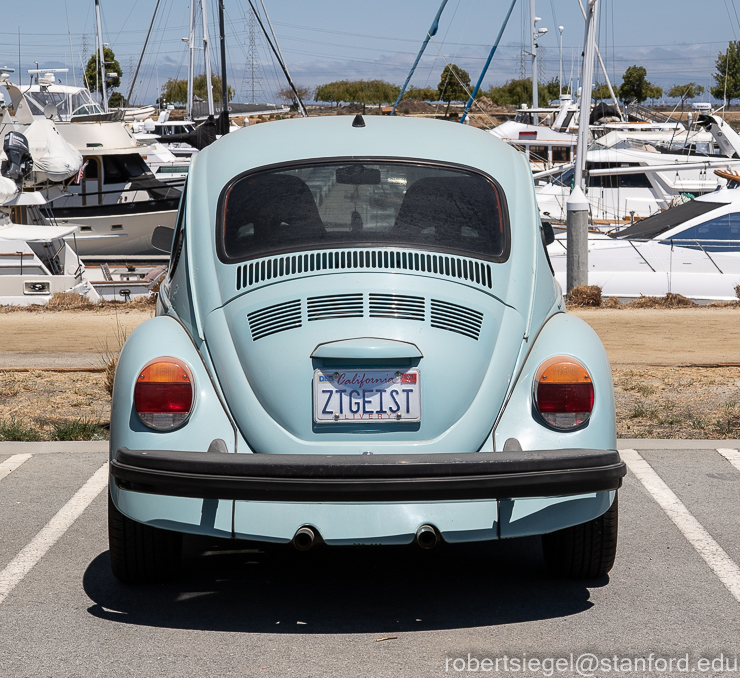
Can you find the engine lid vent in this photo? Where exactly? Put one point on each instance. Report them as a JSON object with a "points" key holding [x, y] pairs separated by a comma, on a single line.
{"points": [[400, 306], [265, 271], [447, 316], [273, 319], [335, 306]]}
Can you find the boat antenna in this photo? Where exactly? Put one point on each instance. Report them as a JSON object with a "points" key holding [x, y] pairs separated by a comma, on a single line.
{"points": [[141, 57], [432, 31], [488, 63], [301, 107]]}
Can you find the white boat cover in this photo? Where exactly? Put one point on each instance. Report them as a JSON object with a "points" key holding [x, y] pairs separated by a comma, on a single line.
{"points": [[52, 155], [141, 113], [8, 189], [29, 233]]}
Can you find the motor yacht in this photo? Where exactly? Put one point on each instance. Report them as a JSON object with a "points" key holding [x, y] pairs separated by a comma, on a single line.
{"points": [[692, 249]]}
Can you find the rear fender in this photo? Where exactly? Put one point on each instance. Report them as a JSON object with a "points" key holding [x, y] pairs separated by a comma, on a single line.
{"points": [[155, 338], [566, 335]]}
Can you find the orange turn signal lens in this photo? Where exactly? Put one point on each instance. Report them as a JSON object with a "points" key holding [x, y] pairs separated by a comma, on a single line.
{"points": [[563, 392]]}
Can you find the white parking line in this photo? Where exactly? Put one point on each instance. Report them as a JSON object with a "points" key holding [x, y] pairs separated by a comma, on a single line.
{"points": [[51, 532], [12, 463], [733, 456], [713, 554]]}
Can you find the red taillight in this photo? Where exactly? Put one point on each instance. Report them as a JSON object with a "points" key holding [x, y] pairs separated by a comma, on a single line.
{"points": [[564, 393], [163, 395]]}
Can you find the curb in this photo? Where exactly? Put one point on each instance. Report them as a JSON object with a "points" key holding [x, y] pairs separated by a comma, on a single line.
{"points": [[55, 446]]}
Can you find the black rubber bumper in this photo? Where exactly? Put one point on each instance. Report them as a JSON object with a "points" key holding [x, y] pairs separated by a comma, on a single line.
{"points": [[368, 478]]}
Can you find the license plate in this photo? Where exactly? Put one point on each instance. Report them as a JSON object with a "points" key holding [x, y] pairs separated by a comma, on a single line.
{"points": [[376, 396]]}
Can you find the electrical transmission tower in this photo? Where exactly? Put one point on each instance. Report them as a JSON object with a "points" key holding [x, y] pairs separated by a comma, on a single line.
{"points": [[84, 57], [541, 68], [523, 54], [252, 88]]}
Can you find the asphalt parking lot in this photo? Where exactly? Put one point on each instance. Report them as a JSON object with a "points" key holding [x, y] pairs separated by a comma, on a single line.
{"points": [[670, 606]]}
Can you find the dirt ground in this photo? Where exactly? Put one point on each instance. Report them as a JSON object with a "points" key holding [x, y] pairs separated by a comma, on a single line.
{"points": [[67, 332], [650, 337], [676, 371]]}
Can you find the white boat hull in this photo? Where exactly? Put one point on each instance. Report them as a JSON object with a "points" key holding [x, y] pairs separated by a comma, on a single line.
{"points": [[653, 269], [128, 234]]}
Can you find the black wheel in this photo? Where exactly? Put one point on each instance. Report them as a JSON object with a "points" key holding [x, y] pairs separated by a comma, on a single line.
{"points": [[140, 554], [584, 551]]}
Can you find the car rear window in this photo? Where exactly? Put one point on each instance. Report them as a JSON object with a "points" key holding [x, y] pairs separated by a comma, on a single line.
{"points": [[347, 204]]}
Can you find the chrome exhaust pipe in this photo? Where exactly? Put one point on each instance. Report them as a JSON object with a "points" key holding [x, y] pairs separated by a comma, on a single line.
{"points": [[304, 538], [426, 537]]}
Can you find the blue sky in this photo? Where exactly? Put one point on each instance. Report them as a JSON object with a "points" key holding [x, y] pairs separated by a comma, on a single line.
{"points": [[323, 40]]}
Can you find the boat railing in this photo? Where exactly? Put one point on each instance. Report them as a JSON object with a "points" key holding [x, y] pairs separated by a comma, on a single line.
{"points": [[645, 114], [694, 243]]}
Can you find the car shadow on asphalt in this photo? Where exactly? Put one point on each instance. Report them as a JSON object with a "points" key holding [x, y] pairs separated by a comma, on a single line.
{"points": [[256, 588]]}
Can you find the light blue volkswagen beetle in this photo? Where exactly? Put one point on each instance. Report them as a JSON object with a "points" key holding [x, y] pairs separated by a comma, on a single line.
{"points": [[360, 341]]}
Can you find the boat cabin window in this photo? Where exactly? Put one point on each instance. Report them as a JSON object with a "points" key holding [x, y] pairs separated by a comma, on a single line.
{"points": [[538, 154], [560, 153], [636, 180], [83, 104], [119, 169], [362, 204], [725, 229], [91, 169], [38, 101]]}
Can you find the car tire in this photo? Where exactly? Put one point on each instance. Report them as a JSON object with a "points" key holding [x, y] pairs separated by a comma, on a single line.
{"points": [[584, 551], [141, 554]]}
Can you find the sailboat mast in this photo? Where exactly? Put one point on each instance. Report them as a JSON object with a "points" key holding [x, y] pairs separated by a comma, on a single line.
{"points": [[191, 56], [224, 117], [577, 204], [206, 52], [603, 70], [533, 45], [584, 106], [129, 98], [278, 55], [101, 52], [430, 33]]}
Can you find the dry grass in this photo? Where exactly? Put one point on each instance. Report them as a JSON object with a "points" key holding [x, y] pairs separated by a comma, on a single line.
{"points": [[71, 301], [590, 297], [668, 301], [655, 402], [110, 374], [678, 402], [43, 405], [68, 301], [585, 296]]}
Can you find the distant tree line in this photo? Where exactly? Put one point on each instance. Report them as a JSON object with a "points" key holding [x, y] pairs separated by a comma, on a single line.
{"points": [[454, 85], [176, 91]]}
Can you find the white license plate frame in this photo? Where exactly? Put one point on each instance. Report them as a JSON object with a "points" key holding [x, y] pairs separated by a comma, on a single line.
{"points": [[375, 396]]}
